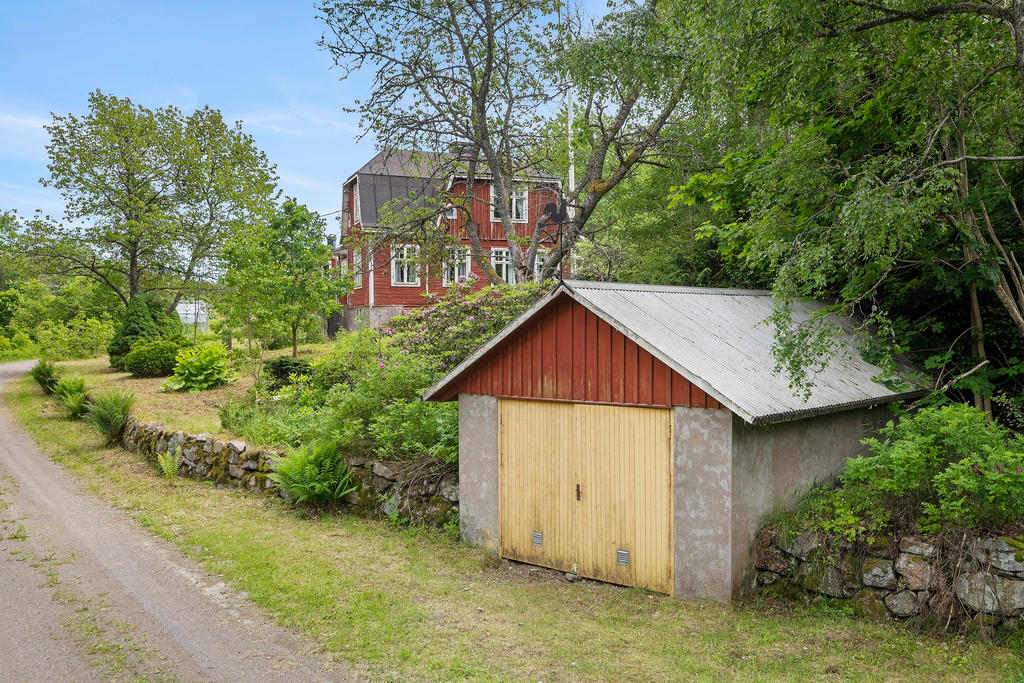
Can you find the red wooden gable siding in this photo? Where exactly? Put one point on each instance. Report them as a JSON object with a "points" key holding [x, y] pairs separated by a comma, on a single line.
{"points": [[566, 353]]}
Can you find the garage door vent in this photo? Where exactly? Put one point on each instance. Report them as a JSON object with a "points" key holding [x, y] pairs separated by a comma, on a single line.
{"points": [[622, 557], [537, 538]]}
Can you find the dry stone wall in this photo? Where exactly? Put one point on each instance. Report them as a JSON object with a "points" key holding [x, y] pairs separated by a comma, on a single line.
{"points": [[971, 579], [393, 490]]}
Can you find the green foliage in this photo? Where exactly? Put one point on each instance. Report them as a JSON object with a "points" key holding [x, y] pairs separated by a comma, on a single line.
{"points": [[81, 337], [314, 474], [415, 429], [47, 374], [279, 370], [108, 413], [156, 358], [168, 463], [942, 467], [145, 319], [200, 367], [452, 326], [70, 391]]}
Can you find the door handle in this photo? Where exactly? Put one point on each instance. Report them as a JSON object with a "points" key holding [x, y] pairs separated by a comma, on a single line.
{"points": [[577, 491]]}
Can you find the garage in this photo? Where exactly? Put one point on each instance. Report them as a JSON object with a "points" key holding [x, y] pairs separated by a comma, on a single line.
{"points": [[636, 434]]}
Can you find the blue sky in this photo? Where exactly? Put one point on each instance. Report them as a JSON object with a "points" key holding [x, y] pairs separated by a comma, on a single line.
{"points": [[255, 61]]}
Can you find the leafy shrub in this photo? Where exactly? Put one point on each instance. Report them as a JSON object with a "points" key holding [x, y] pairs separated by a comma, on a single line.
{"points": [[156, 358], [70, 391], [278, 423], [277, 371], [947, 466], [144, 318], [449, 329], [411, 430], [109, 412], [18, 346], [201, 367], [314, 474], [47, 374], [353, 354], [168, 462], [80, 337]]}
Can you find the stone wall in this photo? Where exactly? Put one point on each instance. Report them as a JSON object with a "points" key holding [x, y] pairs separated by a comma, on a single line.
{"points": [[951, 580], [404, 491]]}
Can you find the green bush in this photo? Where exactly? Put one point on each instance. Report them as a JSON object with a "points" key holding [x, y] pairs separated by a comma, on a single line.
{"points": [[281, 424], [47, 374], [70, 391], [145, 318], [942, 467], [277, 371], [415, 429], [314, 474], [200, 367], [109, 412], [156, 358], [80, 337], [449, 329], [18, 346]]}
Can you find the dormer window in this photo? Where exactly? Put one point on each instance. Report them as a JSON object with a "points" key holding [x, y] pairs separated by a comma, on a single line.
{"points": [[356, 215]]}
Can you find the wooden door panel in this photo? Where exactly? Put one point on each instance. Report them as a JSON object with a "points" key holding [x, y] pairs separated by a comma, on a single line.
{"points": [[536, 483], [625, 466]]}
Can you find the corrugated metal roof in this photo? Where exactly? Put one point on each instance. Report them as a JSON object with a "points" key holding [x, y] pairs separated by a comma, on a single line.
{"points": [[719, 340]]}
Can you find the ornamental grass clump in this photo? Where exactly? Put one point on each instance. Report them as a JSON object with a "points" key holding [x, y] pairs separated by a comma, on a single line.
{"points": [[70, 391], [47, 374], [108, 413], [314, 474]]}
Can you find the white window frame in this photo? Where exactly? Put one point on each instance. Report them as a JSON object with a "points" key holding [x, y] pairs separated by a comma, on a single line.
{"points": [[505, 264], [449, 212], [520, 194], [403, 258], [453, 263], [538, 262], [357, 218], [357, 268]]}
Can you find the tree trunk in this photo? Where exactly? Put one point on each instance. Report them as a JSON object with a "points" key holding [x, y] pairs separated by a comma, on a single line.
{"points": [[983, 403], [295, 340]]}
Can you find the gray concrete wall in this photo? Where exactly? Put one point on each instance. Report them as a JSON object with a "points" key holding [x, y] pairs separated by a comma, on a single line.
{"points": [[370, 316], [478, 470], [702, 478], [774, 465]]}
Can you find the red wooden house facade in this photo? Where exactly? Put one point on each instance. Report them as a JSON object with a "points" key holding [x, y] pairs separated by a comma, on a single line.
{"points": [[391, 279]]}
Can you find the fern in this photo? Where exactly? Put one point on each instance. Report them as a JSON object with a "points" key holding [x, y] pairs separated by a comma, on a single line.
{"points": [[109, 412], [314, 474], [47, 374], [169, 463]]}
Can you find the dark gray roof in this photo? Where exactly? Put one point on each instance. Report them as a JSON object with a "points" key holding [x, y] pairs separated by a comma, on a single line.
{"points": [[408, 174], [719, 340]]}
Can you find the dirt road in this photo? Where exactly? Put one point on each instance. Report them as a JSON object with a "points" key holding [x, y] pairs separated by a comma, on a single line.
{"points": [[87, 594]]}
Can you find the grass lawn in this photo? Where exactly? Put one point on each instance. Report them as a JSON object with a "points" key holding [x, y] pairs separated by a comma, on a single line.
{"points": [[408, 604], [196, 413]]}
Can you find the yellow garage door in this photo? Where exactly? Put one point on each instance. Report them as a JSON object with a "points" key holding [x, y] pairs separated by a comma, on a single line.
{"points": [[587, 489]]}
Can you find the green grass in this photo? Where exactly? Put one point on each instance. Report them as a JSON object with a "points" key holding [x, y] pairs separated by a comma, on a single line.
{"points": [[403, 604]]}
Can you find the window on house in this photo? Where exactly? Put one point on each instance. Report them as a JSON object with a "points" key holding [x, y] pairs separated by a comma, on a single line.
{"points": [[357, 268], [517, 206], [449, 212], [456, 267], [403, 265], [538, 263], [502, 263], [355, 204]]}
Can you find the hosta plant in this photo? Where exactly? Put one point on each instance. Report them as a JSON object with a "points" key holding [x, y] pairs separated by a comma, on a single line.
{"points": [[201, 367]]}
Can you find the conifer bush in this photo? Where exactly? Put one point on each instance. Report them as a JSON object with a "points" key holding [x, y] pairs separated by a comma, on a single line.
{"points": [[144, 319]]}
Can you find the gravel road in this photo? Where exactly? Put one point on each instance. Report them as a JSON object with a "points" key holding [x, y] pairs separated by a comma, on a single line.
{"points": [[88, 594]]}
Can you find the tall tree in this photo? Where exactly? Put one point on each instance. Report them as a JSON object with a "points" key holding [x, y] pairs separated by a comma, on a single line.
{"points": [[480, 76], [149, 195], [277, 273], [879, 167]]}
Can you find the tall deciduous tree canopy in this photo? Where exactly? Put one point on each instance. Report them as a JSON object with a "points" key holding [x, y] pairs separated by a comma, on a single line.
{"points": [[486, 77], [150, 195], [276, 273]]}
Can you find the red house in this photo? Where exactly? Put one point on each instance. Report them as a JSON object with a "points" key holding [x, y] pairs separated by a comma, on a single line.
{"points": [[391, 279]]}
